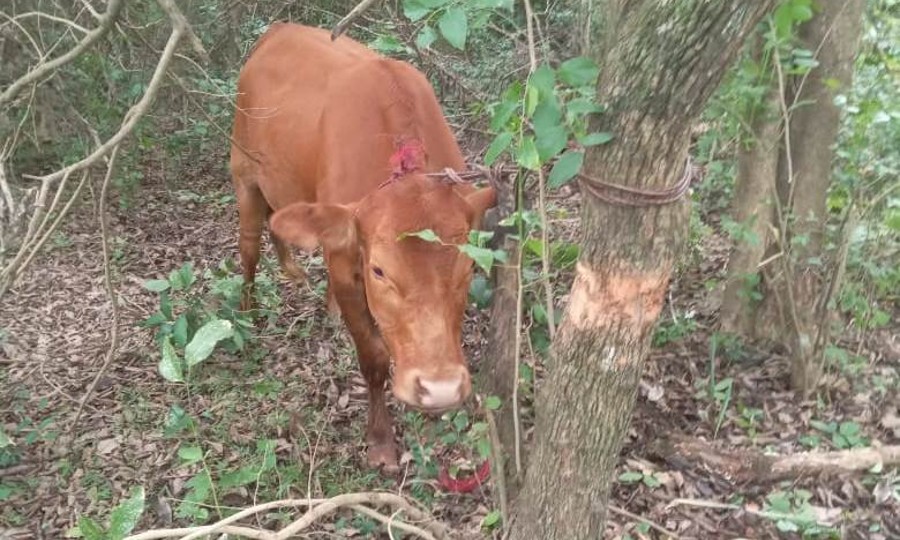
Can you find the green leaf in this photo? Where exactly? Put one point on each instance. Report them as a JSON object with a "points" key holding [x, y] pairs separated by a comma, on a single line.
{"points": [[502, 112], [565, 168], [651, 481], [483, 257], [425, 234], [454, 27], [480, 291], [180, 330], [578, 71], [532, 97], [500, 143], [165, 305], [156, 285], [491, 519], [415, 9], [154, 320], [190, 454], [492, 403], [548, 113], [427, 36], [550, 141], [581, 106], [125, 516], [90, 529], [204, 341], [527, 154], [849, 429], [630, 477], [593, 139], [829, 427], [170, 365], [543, 80], [492, 4]]}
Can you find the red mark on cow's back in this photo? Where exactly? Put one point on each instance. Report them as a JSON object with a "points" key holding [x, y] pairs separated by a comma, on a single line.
{"points": [[409, 157]]}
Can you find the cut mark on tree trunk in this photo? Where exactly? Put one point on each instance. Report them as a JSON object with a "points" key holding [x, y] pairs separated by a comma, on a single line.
{"points": [[601, 299]]}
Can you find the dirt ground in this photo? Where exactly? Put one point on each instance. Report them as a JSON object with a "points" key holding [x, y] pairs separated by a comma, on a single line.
{"points": [[299, 388]]}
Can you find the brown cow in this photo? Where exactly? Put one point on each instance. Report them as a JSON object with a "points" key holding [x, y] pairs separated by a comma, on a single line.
{"points": [[316, 142]]}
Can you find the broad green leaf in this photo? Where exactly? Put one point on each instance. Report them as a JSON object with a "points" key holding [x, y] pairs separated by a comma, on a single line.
{"points": [[415, 9], [156, 285], [190, 454], [126, 515], [527, 155], [543, 79], [170, 365], [500, 143], [550, 141], [492, 402], [454, 27], [90, 529], [204, 341], [165, 304], [427, 36], [548, 113], [483, 257], [480, 291], [849, 429], [388, 44], [578, 71], [502, 112], [175, 282], [154, 320], [180, 330], [425, 234], [565, 168], [593, 139]]}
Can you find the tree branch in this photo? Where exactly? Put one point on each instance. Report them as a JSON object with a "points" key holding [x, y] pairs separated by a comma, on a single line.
{"points": [[342, 24], [44, 68]]}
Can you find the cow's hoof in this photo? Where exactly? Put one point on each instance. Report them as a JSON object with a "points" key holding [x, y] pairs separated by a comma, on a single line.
{"points": [[384, 457]]}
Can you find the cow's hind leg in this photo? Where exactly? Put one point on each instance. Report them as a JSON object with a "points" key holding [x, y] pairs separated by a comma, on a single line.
{"points": [[252, 211]]}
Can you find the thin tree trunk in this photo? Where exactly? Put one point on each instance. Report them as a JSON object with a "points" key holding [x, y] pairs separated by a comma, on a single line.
{"points": [[753, 209], [834, 32], [660, 62]]}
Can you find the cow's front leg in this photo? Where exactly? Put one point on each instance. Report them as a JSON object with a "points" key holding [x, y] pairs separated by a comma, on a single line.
{"points": [[382, 450], [374, 358]]}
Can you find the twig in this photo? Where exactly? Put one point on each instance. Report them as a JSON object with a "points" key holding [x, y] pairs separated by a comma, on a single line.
{"points": [[542, 189], [391, 522], [45, 68], [518, 351], [659, 528], [342, 24], [179, 28], [318, 508], [110, 291]]}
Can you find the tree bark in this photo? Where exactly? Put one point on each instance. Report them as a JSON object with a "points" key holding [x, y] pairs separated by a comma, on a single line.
{"points": [[753, 208], [660, 62], [806, 175]]}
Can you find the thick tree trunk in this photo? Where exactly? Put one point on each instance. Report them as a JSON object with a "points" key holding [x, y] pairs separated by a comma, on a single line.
{"points": [[753, 208], [660, 61], [834, 33]]}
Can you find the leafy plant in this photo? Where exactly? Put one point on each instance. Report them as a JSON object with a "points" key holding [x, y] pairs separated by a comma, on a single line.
{"points": [[452, 18], [122, 520], [633, 477], [844, 435], [792, 512]]}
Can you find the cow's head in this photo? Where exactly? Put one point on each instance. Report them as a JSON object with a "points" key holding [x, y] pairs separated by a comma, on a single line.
{"points": [[416, 290]]}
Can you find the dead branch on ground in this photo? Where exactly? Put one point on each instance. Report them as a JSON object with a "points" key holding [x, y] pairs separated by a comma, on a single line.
{"points": [[748, 466], [426, 526]]}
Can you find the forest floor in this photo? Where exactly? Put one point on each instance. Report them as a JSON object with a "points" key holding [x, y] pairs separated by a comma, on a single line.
{"points": [[286, 417]]}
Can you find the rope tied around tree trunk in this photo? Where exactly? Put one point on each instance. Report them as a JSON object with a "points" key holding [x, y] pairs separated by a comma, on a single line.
{"points": [[620, 195]]}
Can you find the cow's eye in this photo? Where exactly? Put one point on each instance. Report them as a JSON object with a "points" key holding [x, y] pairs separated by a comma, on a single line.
{"points": [[379, 273]]}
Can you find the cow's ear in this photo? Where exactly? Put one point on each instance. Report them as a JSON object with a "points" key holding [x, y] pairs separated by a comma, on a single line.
{"points": [[480, 200], [307, 225]]}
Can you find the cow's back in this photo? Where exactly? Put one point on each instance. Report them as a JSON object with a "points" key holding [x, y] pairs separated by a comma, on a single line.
{"points": [[322, 118]]}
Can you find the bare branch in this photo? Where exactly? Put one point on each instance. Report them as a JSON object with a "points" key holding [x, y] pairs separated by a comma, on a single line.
{"points": [[429, 528], [45, 68], [54, 18], [342, 24]]}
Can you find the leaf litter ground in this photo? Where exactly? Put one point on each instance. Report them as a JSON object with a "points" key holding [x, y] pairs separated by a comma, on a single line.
{"points": [[300, 391]]}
